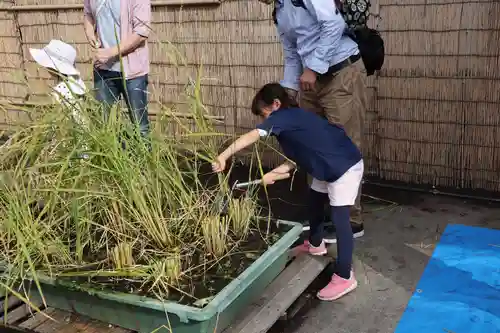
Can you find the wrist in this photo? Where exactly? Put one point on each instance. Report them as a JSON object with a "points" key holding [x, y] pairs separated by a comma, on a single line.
{"points": [[306, 69], [223, 157], [115, 51], [277, 172]]}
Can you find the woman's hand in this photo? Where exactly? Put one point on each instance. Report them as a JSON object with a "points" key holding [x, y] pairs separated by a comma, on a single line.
{"points": [[242, 142], [269, 178], [279, 173], [219, 165], [272, 176]]}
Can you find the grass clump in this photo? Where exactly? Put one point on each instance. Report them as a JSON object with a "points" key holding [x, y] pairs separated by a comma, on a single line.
{"points": [[215, 233], [241, 212]]}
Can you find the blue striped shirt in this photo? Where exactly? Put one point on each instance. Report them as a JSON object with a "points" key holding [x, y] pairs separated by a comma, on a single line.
{"points": [[108, 27], [312, 38]]}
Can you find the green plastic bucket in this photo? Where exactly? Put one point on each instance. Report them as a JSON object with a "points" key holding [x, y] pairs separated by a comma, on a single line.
{"points": [[146, 315]]}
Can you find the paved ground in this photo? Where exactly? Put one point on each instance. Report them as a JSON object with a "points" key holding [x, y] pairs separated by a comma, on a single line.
{"points": [[390, 260]]}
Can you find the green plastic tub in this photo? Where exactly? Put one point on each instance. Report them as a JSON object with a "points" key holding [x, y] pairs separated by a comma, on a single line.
{"points": [[146, 315]]}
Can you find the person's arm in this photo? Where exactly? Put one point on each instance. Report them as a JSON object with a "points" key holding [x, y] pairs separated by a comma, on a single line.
{"points": [[293, 66], [89, 24], [141, 25], [128, 45], [283, 168], [279, 173], [332, 27], [241, 143], [266, 128]]}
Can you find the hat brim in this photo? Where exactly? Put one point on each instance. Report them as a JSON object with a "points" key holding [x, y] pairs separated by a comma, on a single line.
{"points": [[44, 60]]}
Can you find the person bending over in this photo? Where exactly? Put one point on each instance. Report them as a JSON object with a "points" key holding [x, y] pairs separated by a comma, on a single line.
{"points": [[325, 152]]}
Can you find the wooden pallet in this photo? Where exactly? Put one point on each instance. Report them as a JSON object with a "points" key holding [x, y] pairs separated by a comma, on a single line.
{"points": [[258, 317]]}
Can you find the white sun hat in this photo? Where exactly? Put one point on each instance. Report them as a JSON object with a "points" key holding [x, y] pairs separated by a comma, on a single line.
{"points": [[57, 55]]}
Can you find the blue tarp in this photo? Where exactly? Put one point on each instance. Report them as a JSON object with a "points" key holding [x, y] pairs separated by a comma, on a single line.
{"points": [[459, 291]]}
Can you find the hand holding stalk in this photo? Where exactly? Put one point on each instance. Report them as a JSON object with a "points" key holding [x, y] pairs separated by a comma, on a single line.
{"points": [[241, 143]]}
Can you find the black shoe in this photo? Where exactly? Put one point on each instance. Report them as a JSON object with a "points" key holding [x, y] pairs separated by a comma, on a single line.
{"points": [[305, 226], [330, 237], [358, 230]]}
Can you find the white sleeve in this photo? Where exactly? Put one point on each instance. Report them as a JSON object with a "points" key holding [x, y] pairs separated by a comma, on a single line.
{"points": [[262, 132]]}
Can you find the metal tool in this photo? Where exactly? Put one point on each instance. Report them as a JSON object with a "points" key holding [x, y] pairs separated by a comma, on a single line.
{"points": [[240, 186], [236, 186]]}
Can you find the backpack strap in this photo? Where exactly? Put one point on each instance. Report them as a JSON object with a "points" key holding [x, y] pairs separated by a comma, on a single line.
{"points": [[299, 3]]}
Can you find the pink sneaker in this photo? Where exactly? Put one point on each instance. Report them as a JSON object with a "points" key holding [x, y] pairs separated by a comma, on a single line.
{"points": [[337, 288], [308, 248]]}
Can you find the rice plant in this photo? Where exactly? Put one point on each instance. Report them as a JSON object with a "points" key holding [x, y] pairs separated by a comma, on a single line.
{"points": [[215, 233], [242, 212], [128, 217], [122, 256]]}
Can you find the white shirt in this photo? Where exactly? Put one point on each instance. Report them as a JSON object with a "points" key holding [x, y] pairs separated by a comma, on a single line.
{"points": [[68, 93]]}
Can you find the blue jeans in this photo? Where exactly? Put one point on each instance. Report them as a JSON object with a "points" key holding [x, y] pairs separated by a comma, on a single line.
{"points": [[110, 86]]}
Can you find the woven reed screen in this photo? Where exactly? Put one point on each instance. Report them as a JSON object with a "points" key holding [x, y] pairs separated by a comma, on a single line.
{"points": [[12, 79], [437, 100], [434, 110]]}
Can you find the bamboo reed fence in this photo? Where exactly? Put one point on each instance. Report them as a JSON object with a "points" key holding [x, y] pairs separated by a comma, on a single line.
{"points": [[433, 117]]}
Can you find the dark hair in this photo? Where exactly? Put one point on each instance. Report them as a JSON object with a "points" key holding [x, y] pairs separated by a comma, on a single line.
{"points": [[266, 96]]}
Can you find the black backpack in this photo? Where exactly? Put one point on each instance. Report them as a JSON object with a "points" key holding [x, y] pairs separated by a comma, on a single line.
{"points": [[370, 43]]}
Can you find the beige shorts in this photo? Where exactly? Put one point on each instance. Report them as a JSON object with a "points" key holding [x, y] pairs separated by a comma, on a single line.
{"points": [[343, 191]]}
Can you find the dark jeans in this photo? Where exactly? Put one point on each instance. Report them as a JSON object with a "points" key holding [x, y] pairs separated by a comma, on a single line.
{"points": [[110, 86]]}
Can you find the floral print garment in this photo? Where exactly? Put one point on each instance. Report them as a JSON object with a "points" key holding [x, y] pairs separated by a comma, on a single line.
{"points": [[355, 12], [68, 93]]}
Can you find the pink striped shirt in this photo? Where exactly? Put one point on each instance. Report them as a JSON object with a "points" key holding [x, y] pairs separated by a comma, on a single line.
{"points": [[135, 17]]}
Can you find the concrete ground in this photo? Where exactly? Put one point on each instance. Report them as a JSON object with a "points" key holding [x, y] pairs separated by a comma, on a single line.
{"points": [[389, 261]]}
